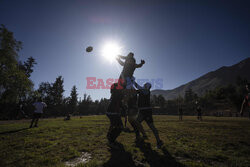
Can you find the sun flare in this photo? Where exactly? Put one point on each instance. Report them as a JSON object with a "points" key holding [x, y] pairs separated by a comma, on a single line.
{"points": [[110, 51]]}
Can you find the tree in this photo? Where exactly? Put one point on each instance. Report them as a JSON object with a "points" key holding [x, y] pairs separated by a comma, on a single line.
{"points": [[73, 99], [15, 86], [27, 66], [84, 105], [190, 95], [44, 91], [161, 100], [57, 91]]}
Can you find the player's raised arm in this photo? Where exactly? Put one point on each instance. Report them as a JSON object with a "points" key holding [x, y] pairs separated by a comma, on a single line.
{"points": [[140, 65], [137, 86], [120, 62], [122, 57]]}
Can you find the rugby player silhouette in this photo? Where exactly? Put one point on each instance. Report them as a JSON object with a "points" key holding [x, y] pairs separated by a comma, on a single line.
{"points": [[129, 66]]}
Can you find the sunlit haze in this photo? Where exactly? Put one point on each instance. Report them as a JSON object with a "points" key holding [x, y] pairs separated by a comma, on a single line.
{"points": [[110, 51]]}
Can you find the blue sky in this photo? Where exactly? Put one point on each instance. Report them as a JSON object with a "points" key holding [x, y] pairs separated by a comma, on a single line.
{"points": [[179, 40]]}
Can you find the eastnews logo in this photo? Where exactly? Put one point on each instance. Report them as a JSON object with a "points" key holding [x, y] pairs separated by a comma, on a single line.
{"points": [[99, 83]]}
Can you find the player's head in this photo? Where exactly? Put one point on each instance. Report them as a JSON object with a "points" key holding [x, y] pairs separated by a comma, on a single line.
{"points": [[113, 87], [131, 55], [116, 88], [147, 85]]}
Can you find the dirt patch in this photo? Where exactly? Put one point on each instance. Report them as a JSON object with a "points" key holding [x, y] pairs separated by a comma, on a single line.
{"points": [[84, 158]]}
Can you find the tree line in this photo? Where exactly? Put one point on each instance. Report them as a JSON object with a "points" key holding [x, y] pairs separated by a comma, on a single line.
{"points": [[223, 100]]}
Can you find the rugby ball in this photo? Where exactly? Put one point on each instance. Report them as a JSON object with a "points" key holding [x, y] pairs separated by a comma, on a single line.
{"points": [[89, 49]]}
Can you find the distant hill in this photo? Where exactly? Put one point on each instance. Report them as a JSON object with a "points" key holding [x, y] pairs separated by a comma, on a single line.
{"points": [[222, 76]]}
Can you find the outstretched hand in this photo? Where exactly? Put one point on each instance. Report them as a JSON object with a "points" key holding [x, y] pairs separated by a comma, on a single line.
{"points": [[119, 56], [142, 62]]}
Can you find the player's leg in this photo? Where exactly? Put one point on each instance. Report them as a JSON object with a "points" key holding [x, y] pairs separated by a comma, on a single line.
{"points": [[135, 124], [114, 132], [150, 123], [32, 121], [156, 134], [139, 120], [37, 118], [110, 131], [115, 128], [110, 128], [36, 121], [154, 130], [149, 120], [141, 129], [132, 123], [118, 127]]}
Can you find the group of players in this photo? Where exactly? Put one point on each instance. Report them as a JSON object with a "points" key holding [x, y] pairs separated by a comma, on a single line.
{"points": [[136, 98]]}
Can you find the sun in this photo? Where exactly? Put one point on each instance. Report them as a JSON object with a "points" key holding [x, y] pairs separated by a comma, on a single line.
{"points": [[110, 51]]}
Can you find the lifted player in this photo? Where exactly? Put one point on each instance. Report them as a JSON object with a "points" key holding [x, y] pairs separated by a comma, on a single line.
{"points": [[129, 67]]}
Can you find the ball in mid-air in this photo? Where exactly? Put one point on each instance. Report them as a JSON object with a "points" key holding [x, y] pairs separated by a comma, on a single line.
{"points": [[89, 49]]}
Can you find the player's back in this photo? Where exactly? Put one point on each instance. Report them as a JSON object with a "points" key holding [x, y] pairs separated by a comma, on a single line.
{"points": [[39, 106], [144, 98], [129, 67], [115, 102]]}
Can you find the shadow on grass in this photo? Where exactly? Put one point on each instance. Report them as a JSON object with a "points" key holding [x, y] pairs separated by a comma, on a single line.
{"points": [[13, 131], [121, 158], [154, 159]]}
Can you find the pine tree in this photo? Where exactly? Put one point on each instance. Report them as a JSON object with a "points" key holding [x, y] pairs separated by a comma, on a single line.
{"points": [[73, 99], [57, 91]]}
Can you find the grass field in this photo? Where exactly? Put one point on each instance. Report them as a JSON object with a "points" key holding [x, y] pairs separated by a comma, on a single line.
{"points": [[212, 142]]}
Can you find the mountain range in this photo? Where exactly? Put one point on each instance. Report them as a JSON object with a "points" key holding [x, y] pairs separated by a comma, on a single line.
{"points": [[222, 76]]}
